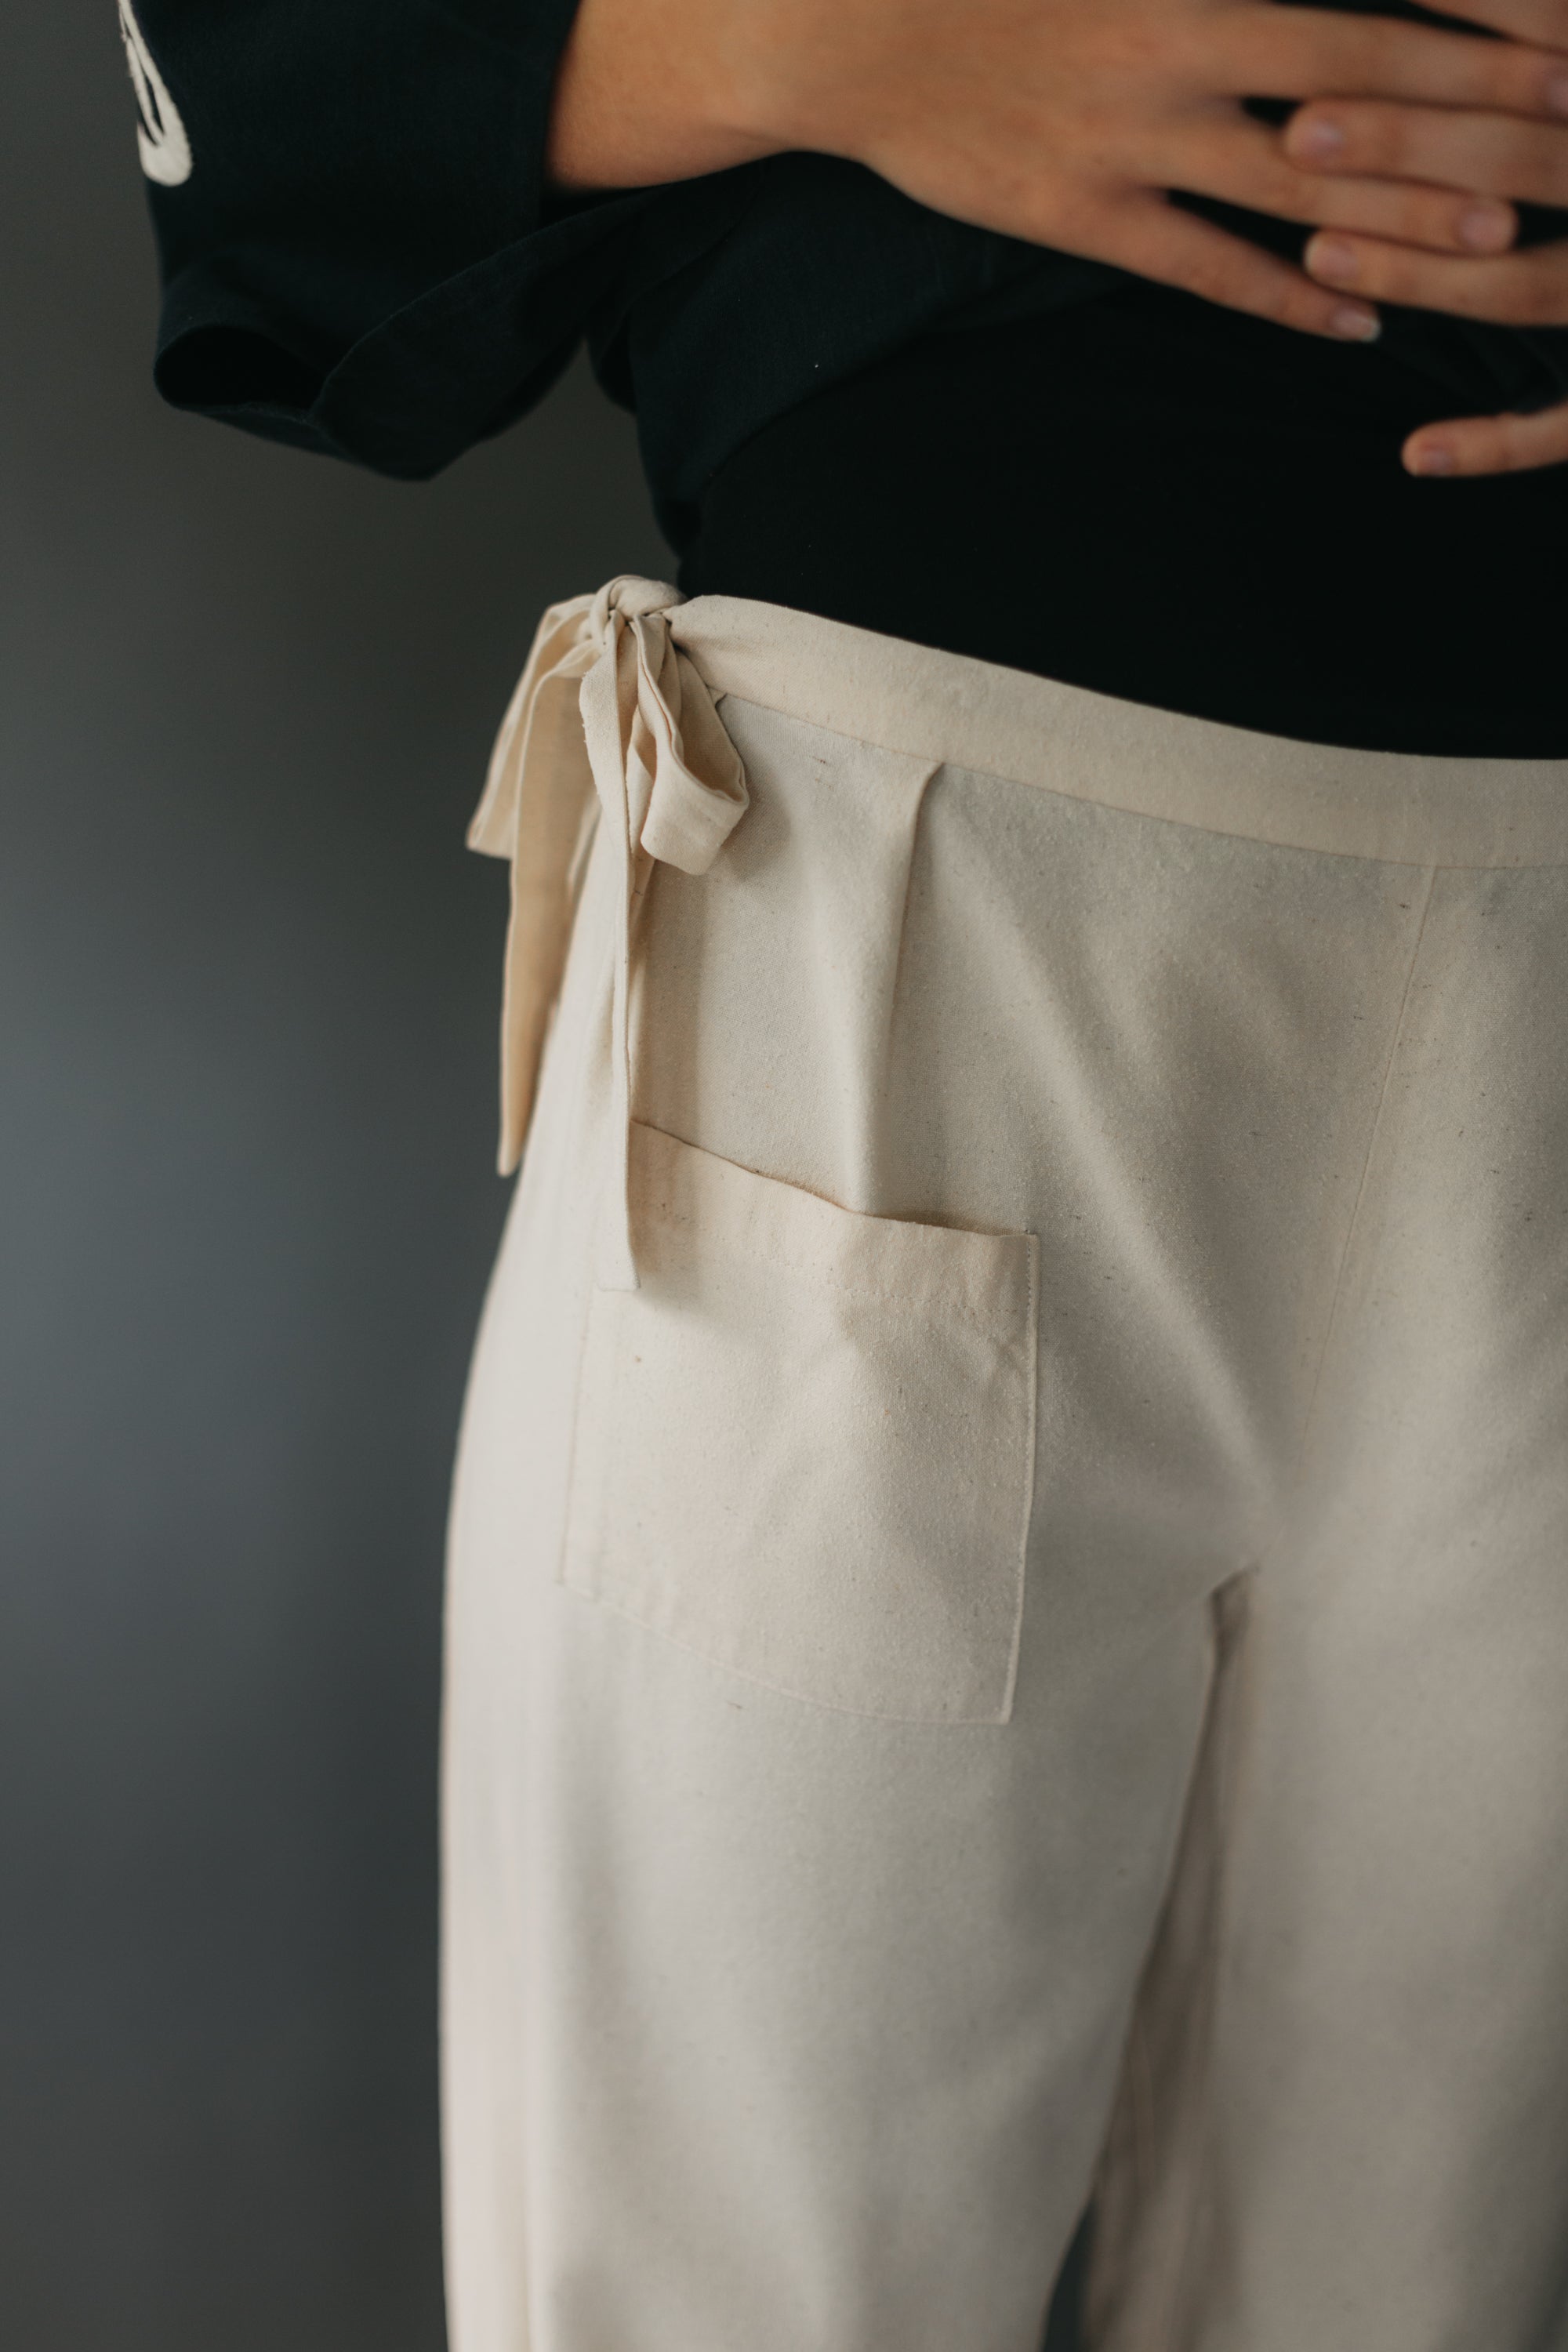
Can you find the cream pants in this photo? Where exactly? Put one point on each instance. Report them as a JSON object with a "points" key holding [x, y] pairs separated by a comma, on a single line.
{"points": [[1009, 1612]]}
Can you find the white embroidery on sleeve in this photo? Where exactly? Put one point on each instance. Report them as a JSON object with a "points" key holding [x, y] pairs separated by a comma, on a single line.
{"points": [[164, 148]]}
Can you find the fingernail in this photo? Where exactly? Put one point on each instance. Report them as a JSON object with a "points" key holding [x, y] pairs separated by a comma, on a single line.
{"points": [[1557, 93], [1432, 457], [1331, 257], [1356, 324], [1486, 228], [1316, 139]]}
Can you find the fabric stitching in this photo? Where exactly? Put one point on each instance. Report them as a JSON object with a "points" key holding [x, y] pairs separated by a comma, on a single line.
{"points": [[1353, 1224], [1130, 2155], [896, 991], [961, 766], [591, 1598], [1230, 1638], [714, 1241], [997, 1326], [1031, 1468]]}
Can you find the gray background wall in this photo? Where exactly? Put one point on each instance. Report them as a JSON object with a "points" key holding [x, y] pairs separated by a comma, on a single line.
{"points": [[247, 1005], [247, 998]]}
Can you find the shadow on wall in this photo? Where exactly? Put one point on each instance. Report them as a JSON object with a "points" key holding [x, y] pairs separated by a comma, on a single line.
{"points": [[247, 1002]]}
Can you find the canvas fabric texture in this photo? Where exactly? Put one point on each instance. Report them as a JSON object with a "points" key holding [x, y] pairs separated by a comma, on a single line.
{"points": [[1007, 1623]]}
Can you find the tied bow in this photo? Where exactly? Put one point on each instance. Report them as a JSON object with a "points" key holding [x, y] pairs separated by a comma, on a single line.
{"points": [[609, 704]]}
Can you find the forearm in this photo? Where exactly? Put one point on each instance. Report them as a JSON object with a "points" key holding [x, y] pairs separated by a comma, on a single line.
{"points": [[1069, 123], [652, 90]]}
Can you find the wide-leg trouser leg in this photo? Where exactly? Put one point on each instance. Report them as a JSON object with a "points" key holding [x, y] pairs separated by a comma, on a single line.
{"points": [[781, 2017], [1365, 2133]]}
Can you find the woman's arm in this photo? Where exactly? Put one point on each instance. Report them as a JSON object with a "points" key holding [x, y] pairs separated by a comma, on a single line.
{"points": [[1065, 121], [1068, 122]]}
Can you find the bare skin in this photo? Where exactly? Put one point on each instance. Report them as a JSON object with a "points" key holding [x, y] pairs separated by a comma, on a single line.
{"points": [[1492, 152], [1069, 121]]}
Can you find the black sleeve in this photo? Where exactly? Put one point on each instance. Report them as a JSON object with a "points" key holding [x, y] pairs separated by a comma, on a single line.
{"points": [[357, 249]]}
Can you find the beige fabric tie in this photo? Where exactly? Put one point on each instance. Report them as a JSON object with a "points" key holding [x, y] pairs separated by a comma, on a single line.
{"points": [[608, 703]]}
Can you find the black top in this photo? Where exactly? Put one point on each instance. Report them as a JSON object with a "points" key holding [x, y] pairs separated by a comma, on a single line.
{"points": [[360, 255], [1242, 543]]}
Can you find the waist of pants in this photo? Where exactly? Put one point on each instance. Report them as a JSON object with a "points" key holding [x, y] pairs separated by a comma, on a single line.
{"points": [[1408, 808], [622, 698]]}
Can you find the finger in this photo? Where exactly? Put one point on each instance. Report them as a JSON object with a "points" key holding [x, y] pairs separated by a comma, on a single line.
{"points": [[1246, 165], [1492, 154], [1272, 52], [1142, 233], [1516, 289], [1545, 21], [1490, 444]]}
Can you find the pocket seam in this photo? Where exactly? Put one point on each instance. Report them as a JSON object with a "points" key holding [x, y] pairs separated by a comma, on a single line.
{"points": [[1016, 1327], [720, 1245]]}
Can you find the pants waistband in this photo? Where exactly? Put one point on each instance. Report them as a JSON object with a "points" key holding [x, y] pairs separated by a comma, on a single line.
{"points": [[1408, 808], [622, 697]]}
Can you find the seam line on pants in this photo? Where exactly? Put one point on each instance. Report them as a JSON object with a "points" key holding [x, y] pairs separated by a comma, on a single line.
{"points": [[1377, 1130], [1230, 1608]]}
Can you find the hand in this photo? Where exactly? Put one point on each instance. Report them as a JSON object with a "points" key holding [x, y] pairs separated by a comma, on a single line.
{"points": [[1497, 156], [1064, 122]]}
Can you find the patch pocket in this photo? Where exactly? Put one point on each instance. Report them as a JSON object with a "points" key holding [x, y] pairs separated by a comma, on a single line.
{"points": [[805, 1447]]}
